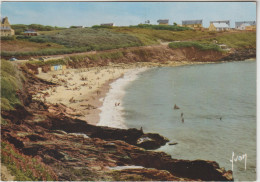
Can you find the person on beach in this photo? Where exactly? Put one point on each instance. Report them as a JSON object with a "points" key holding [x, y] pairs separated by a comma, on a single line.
{"points": [[182, 120]]}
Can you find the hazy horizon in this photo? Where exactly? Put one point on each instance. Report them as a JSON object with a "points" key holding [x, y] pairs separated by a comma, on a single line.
{"points": [[66, 14]]}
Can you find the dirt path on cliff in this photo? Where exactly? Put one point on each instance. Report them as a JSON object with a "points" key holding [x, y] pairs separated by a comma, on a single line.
{"points": [[61, 56], [161, 44]]}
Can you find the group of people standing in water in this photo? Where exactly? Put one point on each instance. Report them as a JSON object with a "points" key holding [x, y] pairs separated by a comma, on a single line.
{"points": [[182, 118]]}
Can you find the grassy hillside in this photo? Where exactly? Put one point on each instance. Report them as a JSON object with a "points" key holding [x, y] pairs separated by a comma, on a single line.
{"points": [[76, 40], [25, 46], [164, 35], [96, 39], [69, 41], [197, 45], [11, 81], [236, 40], [20, 28]]}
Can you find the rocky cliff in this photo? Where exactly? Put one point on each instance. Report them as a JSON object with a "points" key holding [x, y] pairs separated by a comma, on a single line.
{"points": [[76, 150], [152, 54]]}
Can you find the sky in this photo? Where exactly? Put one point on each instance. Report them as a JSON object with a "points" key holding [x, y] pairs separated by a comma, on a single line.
{"points": [[66, 14]]}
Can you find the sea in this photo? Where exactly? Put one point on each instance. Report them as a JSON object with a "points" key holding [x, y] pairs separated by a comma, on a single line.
{"points": [[216, 119]]}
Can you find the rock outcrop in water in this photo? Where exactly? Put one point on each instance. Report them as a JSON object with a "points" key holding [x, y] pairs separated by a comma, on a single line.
{"points": [[70, 154], [239, 55]]}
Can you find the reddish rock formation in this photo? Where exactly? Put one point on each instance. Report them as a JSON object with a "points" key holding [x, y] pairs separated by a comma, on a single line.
{"points": [[76, 150]]}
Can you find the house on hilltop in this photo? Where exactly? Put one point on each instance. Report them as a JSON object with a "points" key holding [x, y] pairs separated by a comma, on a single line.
{"points": [[163, 22], [245, 25], [194, 24], [30, 32], [219, 25], [5, 28], [107, 24]]}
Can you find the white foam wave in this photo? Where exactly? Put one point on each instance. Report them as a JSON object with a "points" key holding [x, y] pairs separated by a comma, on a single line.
{"points": [[110, 114], [125, 167]]}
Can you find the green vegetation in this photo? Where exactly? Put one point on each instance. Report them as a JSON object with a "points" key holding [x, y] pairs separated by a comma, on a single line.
{"points": [[151, 36], [162, 27], [239, 40], [50, 62], [102, 26], [20, 28], [95, 39], [78, 58], [75, 40], [200, 46], [11, 82], [25, 168], [8, 38], [45, 52]]}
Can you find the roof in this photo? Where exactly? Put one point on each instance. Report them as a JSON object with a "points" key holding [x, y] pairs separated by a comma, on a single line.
{"points": [[239, 23], [191, 22], [221, 21], [5, 28], [3, 20], [107, 24], [163, 21], [30, 31], [221, 25]]}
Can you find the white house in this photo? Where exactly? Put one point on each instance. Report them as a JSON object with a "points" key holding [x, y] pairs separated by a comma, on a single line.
{"points": [[244, 25], [219, 25]]}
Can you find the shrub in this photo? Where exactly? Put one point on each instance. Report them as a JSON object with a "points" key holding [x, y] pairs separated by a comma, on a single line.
{"points": [[25, 168], [197, 45], [22, 27], [94, 39], [11, 81], [8, 38], [162, 27]]}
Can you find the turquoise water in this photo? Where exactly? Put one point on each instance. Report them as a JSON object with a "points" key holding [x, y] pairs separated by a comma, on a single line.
{"points": [[218, 102]]}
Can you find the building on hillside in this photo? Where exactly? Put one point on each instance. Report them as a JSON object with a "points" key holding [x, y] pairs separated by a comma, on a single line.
{"points": [[163, 22], [245, 25], [194, 24], [219, 25], [5, 28], [30, 32], [58, 67], [107, 24]]}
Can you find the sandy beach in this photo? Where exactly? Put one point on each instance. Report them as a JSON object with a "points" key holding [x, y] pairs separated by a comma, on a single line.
{"points": [[84, 90]]}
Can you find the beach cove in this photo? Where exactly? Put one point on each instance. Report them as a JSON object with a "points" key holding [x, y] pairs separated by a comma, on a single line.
{"points": [[65, 111], [106, 112]]}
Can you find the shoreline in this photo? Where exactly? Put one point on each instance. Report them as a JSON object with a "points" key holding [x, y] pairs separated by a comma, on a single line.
{"points": [[111, 110], [61, 130], [88, 105], [83, 90]]}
